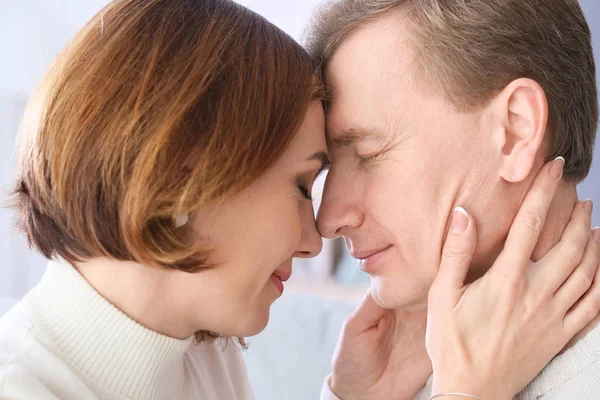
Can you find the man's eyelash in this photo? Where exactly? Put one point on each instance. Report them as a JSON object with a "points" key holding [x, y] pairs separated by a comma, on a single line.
{"points": [[369, 159]]}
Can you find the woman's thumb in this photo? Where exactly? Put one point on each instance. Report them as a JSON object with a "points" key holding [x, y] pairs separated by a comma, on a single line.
{"points": [[366, 316]]}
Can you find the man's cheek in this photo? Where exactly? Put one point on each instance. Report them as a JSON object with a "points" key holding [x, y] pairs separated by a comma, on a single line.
{"points": [[388, 202]]}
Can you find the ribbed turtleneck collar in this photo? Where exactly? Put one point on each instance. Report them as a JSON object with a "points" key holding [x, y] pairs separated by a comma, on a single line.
{"points": [[104, 344]]}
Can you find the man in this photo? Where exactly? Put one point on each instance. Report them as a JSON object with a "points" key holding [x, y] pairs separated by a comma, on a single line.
{"points": [[437, 104]]}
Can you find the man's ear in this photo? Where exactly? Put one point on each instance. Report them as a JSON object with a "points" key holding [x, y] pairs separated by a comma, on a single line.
{"points": [[521, 114]]}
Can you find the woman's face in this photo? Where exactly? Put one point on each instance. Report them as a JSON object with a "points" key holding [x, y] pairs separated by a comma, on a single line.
{"points": [[256, 233]]}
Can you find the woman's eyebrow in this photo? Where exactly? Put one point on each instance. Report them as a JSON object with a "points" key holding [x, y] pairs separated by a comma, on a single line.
{"points": [[321, 156]]}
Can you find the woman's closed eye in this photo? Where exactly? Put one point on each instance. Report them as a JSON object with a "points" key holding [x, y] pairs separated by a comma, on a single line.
{"points": [[301, 180], [306, 193], [306, 190]]}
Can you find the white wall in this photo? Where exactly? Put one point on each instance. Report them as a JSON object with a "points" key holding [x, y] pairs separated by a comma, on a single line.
{"points": [[31, 34]]}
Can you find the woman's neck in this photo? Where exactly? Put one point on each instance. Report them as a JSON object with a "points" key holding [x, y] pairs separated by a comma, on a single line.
{"points": [[145, 294]]}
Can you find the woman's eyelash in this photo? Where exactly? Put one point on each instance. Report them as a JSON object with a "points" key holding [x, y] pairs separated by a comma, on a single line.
{"points": [[305, 192]]}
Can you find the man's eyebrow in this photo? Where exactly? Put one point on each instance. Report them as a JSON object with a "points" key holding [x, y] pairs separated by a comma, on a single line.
{"points": [[349, 136]]}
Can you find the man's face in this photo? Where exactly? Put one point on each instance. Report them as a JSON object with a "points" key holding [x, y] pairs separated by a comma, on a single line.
{"points": [[402, 159]]}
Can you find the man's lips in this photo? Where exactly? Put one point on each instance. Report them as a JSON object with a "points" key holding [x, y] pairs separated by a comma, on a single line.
{"points": [[371, 259], [363, 255]]}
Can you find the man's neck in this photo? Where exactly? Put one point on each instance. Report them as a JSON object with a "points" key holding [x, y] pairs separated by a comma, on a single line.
{"points": [[556, 222], [557, 219]]}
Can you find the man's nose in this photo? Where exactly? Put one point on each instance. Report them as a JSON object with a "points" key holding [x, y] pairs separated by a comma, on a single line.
{"points": [[340, 208]]}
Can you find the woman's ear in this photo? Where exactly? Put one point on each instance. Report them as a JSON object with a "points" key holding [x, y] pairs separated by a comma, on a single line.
{"points": [[521, 116]]}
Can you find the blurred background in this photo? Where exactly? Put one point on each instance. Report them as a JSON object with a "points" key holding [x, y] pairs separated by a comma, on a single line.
{"points": [[290, 359]]}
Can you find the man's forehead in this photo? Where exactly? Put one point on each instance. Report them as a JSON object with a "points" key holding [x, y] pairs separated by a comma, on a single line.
{"points": [[350, 114], [384, 44], [360, 119]]}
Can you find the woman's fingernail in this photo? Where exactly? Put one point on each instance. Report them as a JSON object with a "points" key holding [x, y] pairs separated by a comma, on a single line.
{"points": [[556, 169], [588, 206], [596, 234], [460, 220]]}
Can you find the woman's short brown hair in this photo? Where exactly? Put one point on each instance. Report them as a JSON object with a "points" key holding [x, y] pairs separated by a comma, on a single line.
{"points": [[155, 108]]}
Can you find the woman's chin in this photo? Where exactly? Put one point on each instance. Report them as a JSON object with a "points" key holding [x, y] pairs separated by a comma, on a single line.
{"points": [[253, 326]]}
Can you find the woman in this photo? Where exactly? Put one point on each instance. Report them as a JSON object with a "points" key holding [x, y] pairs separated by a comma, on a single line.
{"points": [[166, 168]]}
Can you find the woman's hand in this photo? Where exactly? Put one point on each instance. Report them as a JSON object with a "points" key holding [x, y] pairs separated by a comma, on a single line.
{"points": [[380, 354], [492, 337]]}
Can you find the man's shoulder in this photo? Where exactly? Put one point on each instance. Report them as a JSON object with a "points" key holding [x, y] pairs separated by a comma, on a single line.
{"points": [[573, 375], [583, 386]]}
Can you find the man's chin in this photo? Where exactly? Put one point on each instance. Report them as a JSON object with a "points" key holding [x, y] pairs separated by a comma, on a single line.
{"points": [[392, 297]]}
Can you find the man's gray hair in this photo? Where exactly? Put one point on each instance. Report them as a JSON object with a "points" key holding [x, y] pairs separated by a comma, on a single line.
{"points": [[472, 49]]}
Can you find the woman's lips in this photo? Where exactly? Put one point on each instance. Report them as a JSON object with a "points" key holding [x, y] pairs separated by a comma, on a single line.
{"points": [[280, 276], [278, 283]]}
